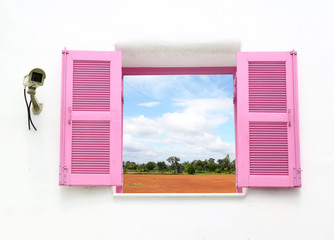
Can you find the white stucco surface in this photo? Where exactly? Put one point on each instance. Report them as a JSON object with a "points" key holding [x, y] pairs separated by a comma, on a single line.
{"points": [[33, 33]]}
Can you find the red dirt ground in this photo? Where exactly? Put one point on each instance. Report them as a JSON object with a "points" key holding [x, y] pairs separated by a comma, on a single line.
{"points": [[179, 183]]}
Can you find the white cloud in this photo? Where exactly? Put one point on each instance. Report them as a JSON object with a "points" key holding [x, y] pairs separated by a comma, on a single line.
{"points": [[142, 126], [188, 133], [148, 104], [199, 115], [205, 148], [132, 145]]}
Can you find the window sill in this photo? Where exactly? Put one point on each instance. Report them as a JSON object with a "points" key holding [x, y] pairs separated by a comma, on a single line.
{"points": [[227, 195]]}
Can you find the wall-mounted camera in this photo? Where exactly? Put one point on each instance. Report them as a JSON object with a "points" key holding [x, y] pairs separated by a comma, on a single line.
{"points": [[35, 78], [32, 81]]}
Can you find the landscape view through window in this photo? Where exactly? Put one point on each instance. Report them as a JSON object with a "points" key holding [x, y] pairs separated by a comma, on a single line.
{"points": [[178, 134]]}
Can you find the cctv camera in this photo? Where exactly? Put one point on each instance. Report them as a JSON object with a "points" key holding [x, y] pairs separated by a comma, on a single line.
{"points": [[35, 78]]}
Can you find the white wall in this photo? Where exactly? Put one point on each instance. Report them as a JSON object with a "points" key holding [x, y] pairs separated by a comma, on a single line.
{"points": [[33, 206]]}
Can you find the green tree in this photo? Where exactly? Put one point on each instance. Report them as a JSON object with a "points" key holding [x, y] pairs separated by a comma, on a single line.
{"points": [[150, 166], [174, 163], [231, 166], [212, 165], [162, 166], [142, 167], [130, 165], [190, 169], [206, 167], [211, 161], [224, 163], [198, 165], [184, 166]]}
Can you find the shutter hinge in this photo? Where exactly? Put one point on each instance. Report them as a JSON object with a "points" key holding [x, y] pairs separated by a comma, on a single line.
{"points": [[289, 117], [297, 176], [63, 174], [69, 115], [65, 51], [293, 52]]}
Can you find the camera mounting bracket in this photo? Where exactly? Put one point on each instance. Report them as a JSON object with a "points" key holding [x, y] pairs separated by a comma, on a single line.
{"points": [[36, 106]]}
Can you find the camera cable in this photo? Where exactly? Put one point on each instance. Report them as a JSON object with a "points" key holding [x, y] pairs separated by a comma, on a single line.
{"points": [[28, 110]]}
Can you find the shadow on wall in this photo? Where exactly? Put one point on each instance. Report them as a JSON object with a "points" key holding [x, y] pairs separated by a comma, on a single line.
{"points": [[93, 195], [70, 196], [290, 196]]}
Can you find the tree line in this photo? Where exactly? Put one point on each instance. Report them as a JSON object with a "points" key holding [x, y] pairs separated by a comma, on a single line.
{"points": [[174, 166]]}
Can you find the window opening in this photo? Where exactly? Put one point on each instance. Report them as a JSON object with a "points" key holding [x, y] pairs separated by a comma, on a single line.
{"points": [[178, 134]]}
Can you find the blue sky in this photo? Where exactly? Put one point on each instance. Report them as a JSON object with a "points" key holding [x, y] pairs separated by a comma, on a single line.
{"points": [[188, 116]]}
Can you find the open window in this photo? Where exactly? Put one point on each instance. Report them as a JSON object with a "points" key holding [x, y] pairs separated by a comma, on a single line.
{"points": [[178, 132], [266, 117]]}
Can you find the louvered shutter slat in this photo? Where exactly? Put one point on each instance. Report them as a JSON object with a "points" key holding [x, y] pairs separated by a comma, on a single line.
{"points": [[91, 85]]}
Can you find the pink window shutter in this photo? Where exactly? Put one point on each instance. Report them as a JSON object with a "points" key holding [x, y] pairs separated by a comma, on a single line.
{"points": [[267, 124], [91, 119]]}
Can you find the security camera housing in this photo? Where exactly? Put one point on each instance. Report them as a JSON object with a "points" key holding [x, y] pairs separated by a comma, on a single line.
{"points": [[32, 81], [35, 78]]}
